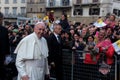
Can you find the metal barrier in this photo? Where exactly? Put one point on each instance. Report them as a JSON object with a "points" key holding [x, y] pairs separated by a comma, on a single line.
{"points": [[75, 69]]}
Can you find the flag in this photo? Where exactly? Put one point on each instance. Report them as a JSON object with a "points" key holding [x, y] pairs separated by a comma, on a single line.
{"points": [[116, 47], [99, 23]]}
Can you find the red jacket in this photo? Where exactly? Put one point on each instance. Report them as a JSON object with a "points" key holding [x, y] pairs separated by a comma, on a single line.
{"points": [[109, 54]]}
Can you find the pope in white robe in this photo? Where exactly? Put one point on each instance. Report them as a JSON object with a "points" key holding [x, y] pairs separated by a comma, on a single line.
{"points": [[32, 53]]}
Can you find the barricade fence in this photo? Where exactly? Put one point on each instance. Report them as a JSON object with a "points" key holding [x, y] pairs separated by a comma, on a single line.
{"points": [[74, 67]]}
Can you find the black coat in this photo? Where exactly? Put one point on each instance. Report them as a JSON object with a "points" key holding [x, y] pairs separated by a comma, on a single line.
{"points": [[55, 55], [55, 48], [4, 50], [4, 43], [65, 25]]}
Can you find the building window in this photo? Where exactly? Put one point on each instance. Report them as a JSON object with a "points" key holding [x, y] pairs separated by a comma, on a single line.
{"points": [[22, 1], [41, 1], [14, 10], [23, 11], [95, 0], [116, 12], [51, 2], [119, 13], [78, 1], [94, 11], [65, 2], [78, 12], [31, 9], [31, 1], [116, 0], [6, 10], [41, 10], [6, 1], [64, 11], [14, 1]]}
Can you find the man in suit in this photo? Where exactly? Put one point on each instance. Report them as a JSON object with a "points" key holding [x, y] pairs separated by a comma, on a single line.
{"points": [[55, 51], [4, 47]]}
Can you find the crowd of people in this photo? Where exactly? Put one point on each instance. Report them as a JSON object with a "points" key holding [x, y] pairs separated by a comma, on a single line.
{"points": [[63, 34]]}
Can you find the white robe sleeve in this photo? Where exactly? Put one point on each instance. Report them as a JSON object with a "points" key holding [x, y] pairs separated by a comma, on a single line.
{"points": [[20, 64], [46, 67]]}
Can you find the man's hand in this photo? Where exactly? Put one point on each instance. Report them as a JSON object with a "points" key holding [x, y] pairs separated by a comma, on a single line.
{"points": [[25, 77], [52, 64]]}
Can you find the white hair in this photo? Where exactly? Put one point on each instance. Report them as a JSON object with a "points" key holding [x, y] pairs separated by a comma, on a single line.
{"points": [[55, 26], [40, 23]]}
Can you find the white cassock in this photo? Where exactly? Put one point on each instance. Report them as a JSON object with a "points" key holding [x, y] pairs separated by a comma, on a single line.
{"points": [[31, 57]]}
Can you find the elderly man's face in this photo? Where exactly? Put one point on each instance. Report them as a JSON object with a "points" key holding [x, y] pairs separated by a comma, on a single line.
{"points": [[58, 29], [39, 30]]}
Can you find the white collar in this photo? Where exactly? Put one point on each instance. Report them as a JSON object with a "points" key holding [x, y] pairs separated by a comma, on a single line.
{"points": [[56, 34]]}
